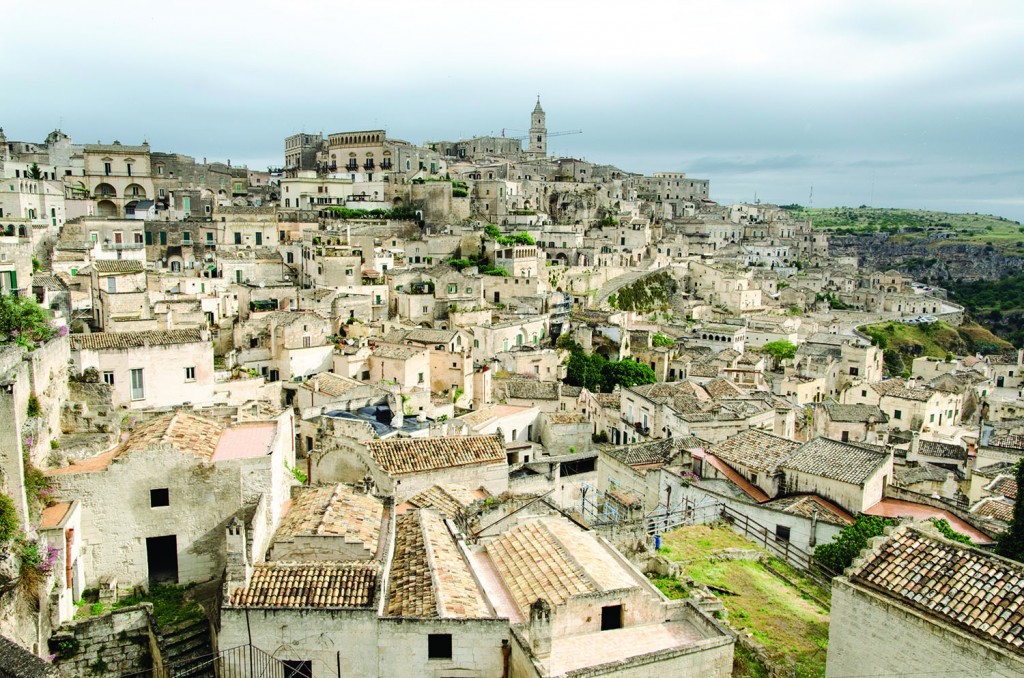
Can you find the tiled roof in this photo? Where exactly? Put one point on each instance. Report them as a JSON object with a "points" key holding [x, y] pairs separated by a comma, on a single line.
{"points": [[722, 388], [531, 390], [185, 431], [393, 352], [958, 585], [898, 388], [429, 576], [755, 449], [997, 508], [98, 341], [336, 510], [305, 585], [425, 336], [109, 266], [809, 505], [417, 455], [410, 584], [331, 384], [854, 413], [657, 452], [832, 459], [49, 281], [1006, 485], [993, 470], [662, 393], [567, 418], [923, 473], [552, 559], [935, 448], [115, 148], [449, 500]]}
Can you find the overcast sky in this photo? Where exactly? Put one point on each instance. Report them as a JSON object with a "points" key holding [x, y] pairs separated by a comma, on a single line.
{"points": [[887, 103]]}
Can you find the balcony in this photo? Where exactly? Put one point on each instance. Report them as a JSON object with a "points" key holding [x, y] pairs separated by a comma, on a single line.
{"points": [[368, 165], [119, 246]]}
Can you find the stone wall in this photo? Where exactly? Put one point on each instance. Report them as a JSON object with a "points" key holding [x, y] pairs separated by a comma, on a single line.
{"points": [[121, 642], [864, 624]]}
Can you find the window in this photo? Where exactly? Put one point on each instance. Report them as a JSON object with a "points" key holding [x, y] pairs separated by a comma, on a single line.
{"points": [[611, 617], [111, 284], [439, 646], [781, 533], [931, 419], [209, 237], [845, 437], [259, 238], [106, 168], [290, 257], [108, 378], [863, 394], [138, 384], [753, 478], [307, 341], [419, 378], [137, 237], [186, 237], [297, 668], [854, 371], [159, 497], [163, 237], [898, 414], [238, 238], [190, 374], [129, 166]]}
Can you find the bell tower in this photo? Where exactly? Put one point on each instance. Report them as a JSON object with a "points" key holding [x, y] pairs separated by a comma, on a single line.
{"points": [[538, 142]]}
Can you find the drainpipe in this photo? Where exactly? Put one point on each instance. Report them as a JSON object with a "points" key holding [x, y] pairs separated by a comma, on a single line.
{"points": [[506, 651], [814, 525]]}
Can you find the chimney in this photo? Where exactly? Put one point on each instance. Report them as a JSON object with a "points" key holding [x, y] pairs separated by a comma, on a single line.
{"points": [[239, 570], [540, 628]]}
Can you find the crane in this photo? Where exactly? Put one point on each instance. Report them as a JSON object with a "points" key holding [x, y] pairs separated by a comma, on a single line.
{"points": [[550, 134]]}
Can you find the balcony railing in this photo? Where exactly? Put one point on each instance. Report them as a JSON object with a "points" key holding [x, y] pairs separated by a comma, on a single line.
{"points": [[123, 245]]}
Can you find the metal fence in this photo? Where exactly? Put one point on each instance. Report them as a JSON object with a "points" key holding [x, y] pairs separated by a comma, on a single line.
{"points": [[244, 661]]}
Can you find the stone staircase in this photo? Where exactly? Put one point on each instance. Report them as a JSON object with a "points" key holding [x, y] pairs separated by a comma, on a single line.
{"points": [[188, 649]]}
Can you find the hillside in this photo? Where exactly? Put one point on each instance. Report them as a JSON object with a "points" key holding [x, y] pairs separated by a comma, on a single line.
{"points": [[902, 343], [915, 225]]}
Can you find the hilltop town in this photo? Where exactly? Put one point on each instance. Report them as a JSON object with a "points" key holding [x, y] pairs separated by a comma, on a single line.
{"points": [[465, 408]]}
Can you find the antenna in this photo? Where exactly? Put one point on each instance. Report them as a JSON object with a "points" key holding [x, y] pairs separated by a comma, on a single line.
{"points": [[810, 198]]}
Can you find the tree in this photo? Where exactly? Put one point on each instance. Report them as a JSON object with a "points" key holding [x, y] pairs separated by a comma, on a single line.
{"points": [[492, 231], [626, 373], [585, 370], [23, 320], [780, 350], [34, 172], [1011, 542], [838, 554], [660, 339]]}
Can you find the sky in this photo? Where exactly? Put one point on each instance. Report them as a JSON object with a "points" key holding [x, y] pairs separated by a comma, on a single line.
{"points": [[888, 103]]}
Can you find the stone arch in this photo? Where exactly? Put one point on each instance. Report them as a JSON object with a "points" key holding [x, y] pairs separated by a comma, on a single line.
{"points": [[106, 208], [135, 191], [105, 191]]}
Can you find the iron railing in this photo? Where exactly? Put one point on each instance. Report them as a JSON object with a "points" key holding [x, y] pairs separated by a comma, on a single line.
{"points": [[244, 661]]}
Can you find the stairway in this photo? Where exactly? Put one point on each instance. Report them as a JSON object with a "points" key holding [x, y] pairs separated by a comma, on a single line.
{"points": [[187, 649]]}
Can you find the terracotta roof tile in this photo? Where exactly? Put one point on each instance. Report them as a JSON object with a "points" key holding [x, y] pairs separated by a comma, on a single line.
{"points": [[335, 510], [845, 462], [185, 431], [552, 559], [417, 455], [99, 341], [330, 384], [956, 584], [410, 585], [809, 505], [449, 500], [1005, 485], [755, 449], [114, 266], [306, 585]]}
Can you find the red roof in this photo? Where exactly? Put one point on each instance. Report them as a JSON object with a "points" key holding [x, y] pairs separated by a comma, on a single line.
{"points": [[755, 492], [897, 508]]}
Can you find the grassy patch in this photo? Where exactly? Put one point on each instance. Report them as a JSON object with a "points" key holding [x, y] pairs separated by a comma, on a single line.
{"points": [[902, 343], [746, 665], [700, 541], [789, 625], [170, 603], [671, 587], [785, 619]]}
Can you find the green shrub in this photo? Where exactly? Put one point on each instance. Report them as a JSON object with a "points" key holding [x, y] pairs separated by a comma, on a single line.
{"points": [[34, 410], [838, 554], [8, 519]]}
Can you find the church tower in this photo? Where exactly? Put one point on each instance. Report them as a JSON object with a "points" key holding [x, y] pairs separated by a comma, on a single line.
{"points": [[538, 143]]}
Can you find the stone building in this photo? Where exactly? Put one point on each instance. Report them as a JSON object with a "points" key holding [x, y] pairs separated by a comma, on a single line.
{"points": [[960, 618], [154, 508]]}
